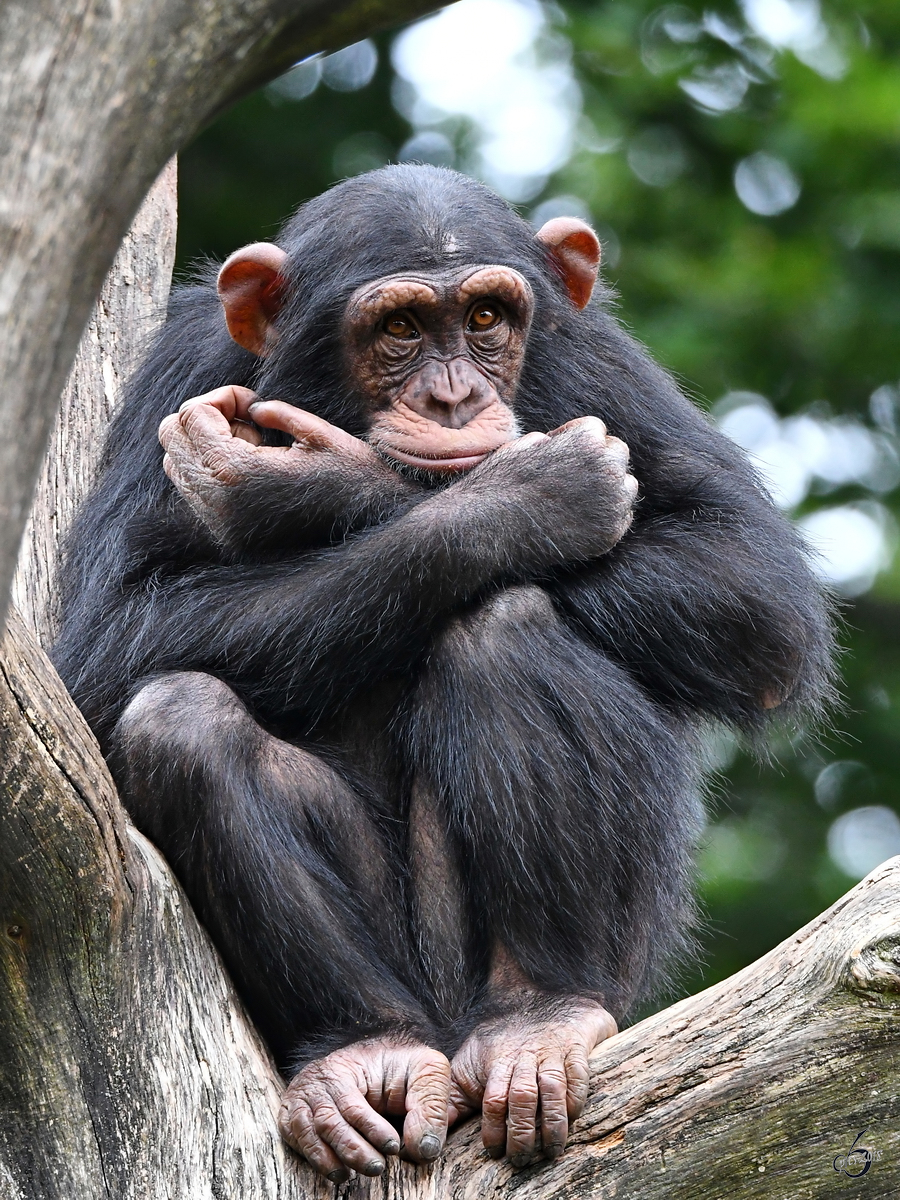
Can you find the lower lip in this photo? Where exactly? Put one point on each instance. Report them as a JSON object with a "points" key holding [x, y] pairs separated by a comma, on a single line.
{"points": [[463, 462]]}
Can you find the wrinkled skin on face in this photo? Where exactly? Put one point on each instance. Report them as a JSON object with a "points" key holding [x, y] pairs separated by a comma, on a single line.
{"points": [[438, 360]]}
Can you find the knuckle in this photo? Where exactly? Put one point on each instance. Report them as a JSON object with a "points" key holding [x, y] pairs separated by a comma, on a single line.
{"points": [[327, 1120], [226, 466], [553, 1079], [433, 1063], [523, 1102], [494, 1106], [521, 1135]]}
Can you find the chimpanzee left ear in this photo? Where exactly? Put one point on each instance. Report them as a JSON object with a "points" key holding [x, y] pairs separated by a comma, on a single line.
{"points": [[575, 250], [251, 289]]}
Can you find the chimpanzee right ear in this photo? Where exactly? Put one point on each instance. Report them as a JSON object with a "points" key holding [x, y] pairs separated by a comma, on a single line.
{"points": [[251, 289]]}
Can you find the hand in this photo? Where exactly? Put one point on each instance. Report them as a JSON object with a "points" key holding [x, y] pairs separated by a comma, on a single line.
{"points": [[528, 1073], [334, 1111], [571, 489], [235, 485]]}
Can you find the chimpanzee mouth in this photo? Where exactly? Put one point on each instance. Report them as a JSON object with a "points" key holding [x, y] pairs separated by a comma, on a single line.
{"points": [[453, 460]]}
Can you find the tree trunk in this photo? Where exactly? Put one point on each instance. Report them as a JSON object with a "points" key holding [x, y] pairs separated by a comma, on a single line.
{"points": [[129, 311]]}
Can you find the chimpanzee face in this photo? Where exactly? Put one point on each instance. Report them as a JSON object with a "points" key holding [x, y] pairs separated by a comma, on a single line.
{"points": [[434, 357], [437, 358]]}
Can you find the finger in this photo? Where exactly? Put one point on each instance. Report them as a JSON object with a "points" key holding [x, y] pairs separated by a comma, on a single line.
{"points": [[231, 401], [494, 1108], [295, 1122], [617, 450], [461, 1104], [179, 455], [591, 425], [578, 1078], [351, 1147], [171, 435], [246, 433], [304, 427], [553, 1086], [427, 1106], [523, 443], [521, 1119], [362, 1117], [631, 486], [206, 426]]}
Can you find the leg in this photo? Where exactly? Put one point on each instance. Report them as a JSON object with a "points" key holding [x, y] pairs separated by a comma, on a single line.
{"points": [[296, 885], [572, 809]]}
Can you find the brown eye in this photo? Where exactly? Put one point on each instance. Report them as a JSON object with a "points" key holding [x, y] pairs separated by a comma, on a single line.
{"points": [[400, 327], [484, 316]]}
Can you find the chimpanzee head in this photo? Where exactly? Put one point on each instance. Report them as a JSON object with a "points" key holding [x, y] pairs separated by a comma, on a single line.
{"points": [[399, 306]]}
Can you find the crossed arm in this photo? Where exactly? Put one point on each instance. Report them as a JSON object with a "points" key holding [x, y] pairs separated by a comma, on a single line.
{"points": [[298, 635], [708, 601]]}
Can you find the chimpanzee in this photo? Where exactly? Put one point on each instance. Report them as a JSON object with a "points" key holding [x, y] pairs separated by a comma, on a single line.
{"points": [[401, 659]]}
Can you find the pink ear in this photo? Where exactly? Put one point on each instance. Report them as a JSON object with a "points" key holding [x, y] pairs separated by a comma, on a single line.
{"points": [[250, 287], [575, 251]]}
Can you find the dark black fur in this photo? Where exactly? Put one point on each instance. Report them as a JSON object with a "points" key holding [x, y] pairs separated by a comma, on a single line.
{"points": [[469, 749]]}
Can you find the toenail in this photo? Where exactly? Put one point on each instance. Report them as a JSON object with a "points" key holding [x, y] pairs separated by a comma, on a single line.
{"points": [[430, 1146]]}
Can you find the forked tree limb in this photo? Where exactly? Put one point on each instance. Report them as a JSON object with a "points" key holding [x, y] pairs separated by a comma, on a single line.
{"points": [[95, 97], [128, 1070]]}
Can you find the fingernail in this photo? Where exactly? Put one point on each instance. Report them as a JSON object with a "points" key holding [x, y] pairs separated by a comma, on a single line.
{"points": [[554, 1149], [339, 1175], [520, 1160], [392, 1147], [430, 1146], [375, 1167]]}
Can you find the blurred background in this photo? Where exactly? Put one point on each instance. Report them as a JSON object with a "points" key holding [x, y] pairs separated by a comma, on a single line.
{"points": [[741, 164]]}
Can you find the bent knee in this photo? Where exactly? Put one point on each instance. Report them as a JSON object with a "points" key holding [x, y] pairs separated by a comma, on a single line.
{"points": [[181, 709], [491, 623]]}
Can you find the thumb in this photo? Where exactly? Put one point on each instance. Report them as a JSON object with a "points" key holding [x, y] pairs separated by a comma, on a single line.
{"points": [[461, 1106]]}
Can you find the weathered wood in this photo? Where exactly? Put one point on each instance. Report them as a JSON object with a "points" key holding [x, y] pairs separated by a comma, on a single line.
{"points": [[95, 97], [130, 309], [750, 1089], [128, 1070]]}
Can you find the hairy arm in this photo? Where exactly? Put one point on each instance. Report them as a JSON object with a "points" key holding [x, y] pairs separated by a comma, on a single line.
{"points": [[708, 600], [258, 501], [297, 637]]}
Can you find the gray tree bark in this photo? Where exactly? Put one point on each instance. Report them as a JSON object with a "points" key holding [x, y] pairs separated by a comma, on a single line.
{"points": [[130, 309]]}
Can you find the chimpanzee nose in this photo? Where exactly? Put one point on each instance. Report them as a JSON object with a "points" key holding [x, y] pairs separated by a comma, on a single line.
{"points": [[449, 393]]}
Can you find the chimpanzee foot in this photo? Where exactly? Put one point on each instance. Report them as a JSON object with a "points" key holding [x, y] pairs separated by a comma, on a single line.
{"points": [[528, 1073], [334, 1111]]}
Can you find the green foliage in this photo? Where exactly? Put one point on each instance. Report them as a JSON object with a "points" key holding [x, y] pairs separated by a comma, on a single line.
{"points": [[802, 306]]}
